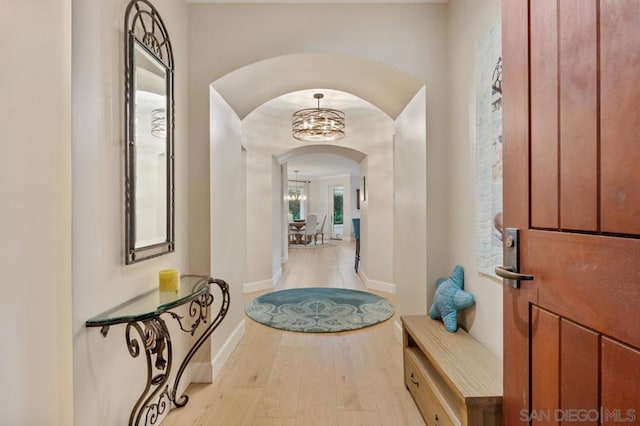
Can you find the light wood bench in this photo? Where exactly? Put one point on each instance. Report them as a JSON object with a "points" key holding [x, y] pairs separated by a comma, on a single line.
{"points": [[453, 379]]}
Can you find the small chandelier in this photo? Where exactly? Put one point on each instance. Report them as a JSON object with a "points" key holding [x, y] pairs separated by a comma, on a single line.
{"points": [[318, 124], [295, 194], [158, 123]]}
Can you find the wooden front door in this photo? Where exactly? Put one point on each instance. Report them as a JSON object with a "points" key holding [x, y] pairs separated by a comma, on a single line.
{"points": [[571, 87]]}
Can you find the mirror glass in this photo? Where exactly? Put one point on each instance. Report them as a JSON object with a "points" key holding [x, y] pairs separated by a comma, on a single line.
{"points": [[151, 149], [149, 127]]}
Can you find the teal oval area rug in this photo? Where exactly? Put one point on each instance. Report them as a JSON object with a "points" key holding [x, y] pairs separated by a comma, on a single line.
{"points": [[319, 310]]}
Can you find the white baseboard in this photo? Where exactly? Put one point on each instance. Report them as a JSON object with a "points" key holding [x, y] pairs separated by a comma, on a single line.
{"points": [[262, 285], [381, 286], [397, 330], [205, 372], [201, 372], [277, 277], [257, 286], [278, 287], [220, 358], [377, 285]]}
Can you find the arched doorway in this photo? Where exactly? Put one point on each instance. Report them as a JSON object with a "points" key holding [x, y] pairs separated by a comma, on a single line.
{"points": [[240, 96], [325, 169], [368, 139]]}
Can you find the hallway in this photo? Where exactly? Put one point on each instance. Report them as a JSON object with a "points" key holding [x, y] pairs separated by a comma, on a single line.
{"points": [[292, 379]]}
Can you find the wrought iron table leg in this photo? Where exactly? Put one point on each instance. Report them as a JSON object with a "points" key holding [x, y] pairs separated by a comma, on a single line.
{"points": [[154, 337], [199, 310]]}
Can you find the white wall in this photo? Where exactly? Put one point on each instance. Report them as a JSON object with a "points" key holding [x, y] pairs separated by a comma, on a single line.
{"points": [[376, 230], [319, 192], [469, 21], [276, 218], [410, 207], [35, 188], [107, 380], [228, 214], [354, 184], [284, 207], [364, 220], [263, 255]]}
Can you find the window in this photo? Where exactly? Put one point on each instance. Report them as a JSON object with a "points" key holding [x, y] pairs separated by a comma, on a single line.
{"points": [[338, 196], [296, 205]]}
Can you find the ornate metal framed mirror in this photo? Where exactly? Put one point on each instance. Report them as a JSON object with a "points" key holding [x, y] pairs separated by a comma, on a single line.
{"points": [[149, 135]]}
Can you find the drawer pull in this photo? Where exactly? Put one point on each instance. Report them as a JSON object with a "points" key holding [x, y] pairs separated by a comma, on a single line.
{"points": [[436, 420], [413, 380]]}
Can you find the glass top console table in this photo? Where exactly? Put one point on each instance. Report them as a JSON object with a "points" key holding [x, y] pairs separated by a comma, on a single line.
{"points": [[142, 315]]}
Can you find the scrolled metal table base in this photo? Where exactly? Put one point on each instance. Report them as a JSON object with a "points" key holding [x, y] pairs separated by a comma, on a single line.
{"points": [[153, 337], [199, 310]]}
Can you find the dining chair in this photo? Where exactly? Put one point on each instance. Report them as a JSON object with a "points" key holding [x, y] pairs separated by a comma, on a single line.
{"points": [[310, 227], [320, 230]]}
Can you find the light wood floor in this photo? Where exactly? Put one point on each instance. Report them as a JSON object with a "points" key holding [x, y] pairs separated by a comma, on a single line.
{"points": [[279, 378]]}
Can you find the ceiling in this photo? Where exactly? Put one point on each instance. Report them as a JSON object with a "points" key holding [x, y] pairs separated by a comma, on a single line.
{"points": [[321, 165], [284, 106], [388, 88], [363, 89]]}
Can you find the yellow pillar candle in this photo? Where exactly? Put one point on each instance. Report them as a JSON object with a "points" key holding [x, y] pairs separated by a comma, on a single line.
{"points": [[170, 280]]}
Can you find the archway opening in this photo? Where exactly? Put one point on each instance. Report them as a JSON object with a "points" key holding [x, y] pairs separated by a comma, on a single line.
{"points": [[394, 167]]}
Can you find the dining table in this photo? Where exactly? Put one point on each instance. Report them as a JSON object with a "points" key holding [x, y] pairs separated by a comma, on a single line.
{"points": [[298, 225]]}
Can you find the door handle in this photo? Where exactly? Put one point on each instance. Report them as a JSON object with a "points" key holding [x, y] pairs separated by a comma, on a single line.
{"points": [[511, 269], [414, 381], [508, 273]]}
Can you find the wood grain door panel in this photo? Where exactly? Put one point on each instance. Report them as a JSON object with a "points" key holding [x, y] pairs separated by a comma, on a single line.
{"points": [[567, 367], [565, 363], [545, 364], [578, 115], [620, 383], [584, 93], [582, 277], [544, 115], [620, 117], [579, 366]]}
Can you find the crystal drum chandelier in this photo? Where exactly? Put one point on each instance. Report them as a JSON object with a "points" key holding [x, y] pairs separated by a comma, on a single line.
{"points": [[318, 124], [295, 193]]}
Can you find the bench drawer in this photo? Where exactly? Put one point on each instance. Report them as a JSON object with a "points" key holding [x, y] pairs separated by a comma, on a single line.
{"points": [[415, 378]]}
